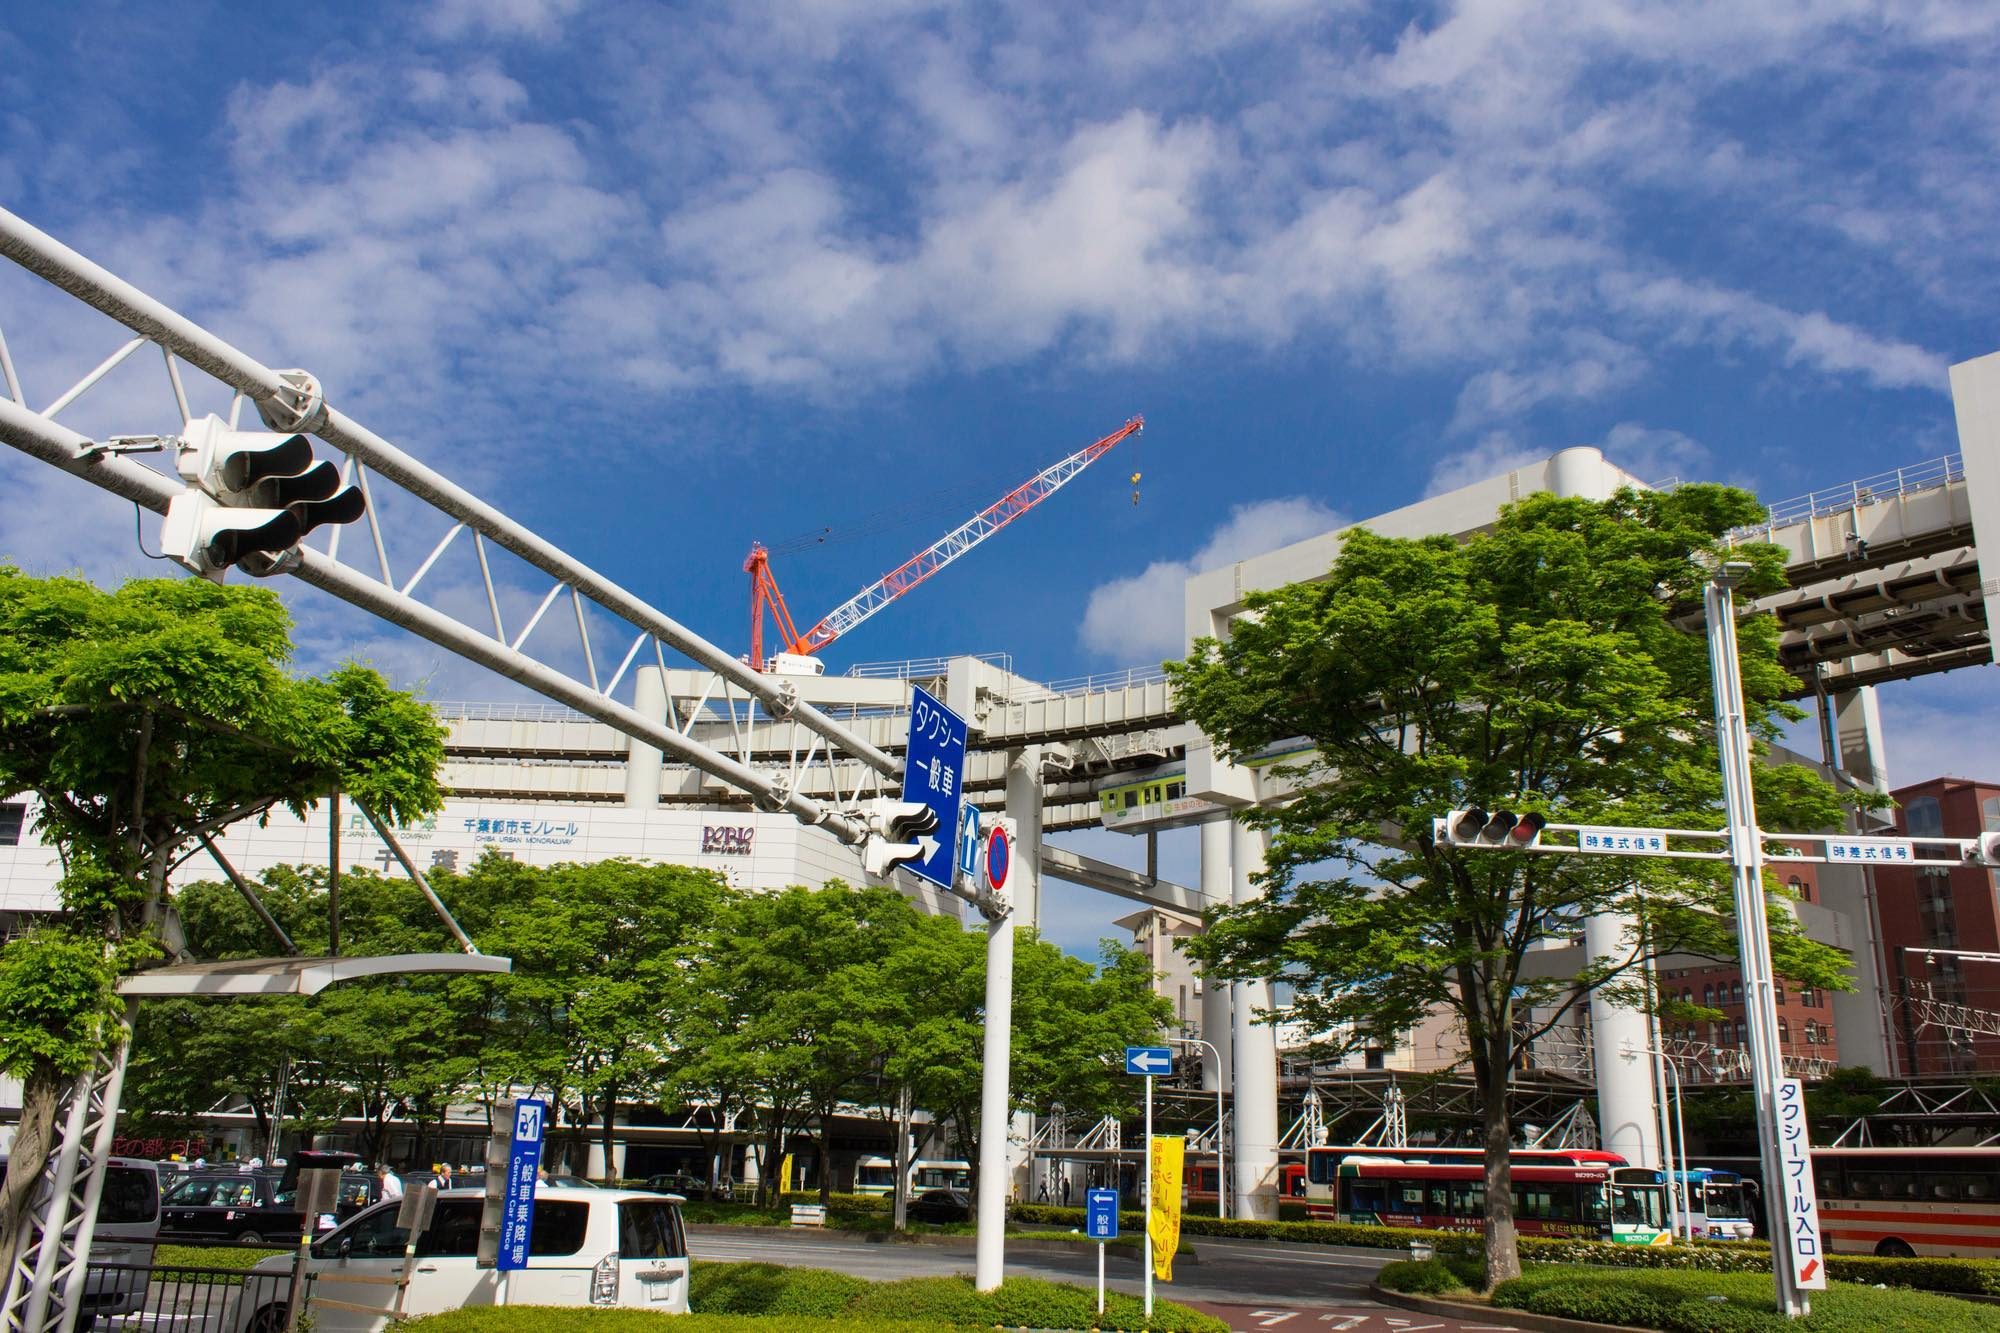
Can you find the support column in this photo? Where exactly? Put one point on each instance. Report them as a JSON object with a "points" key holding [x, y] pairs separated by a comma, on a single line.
{"points": [[1627, 1101], [1024, 807], [1255, 1160], [1858, 722], [1215, 1018], [642, 761]]}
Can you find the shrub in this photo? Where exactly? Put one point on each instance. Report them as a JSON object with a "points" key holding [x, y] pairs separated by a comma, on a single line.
{"points": [[1699, 1302], [771, 1289], [545, 1319], [1433, 1277]]}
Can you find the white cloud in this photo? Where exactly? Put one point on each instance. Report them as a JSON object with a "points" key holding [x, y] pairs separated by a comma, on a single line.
{"points": [[1495, 453], [1140, 618], [1655, 455], [1940, 726], [501, 18]]}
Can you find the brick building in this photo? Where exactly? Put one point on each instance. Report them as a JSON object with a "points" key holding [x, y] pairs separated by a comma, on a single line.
{"points": [[1936, 908]]}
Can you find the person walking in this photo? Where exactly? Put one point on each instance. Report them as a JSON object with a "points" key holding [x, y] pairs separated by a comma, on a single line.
{"points": [[389, 1184]]}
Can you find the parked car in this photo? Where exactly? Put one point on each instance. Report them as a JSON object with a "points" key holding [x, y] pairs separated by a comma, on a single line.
{"points": [[678, 1182], [942, 1206], [122, 1239], [251, 1207], [587, 1247]]}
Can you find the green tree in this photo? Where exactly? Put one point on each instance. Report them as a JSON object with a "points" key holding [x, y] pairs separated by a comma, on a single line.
{"points": [[596, 949], [1541, 666], [139, 719]]}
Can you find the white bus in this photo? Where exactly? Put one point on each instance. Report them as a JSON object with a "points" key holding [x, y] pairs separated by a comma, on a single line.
{"points": [[877, 1175]]}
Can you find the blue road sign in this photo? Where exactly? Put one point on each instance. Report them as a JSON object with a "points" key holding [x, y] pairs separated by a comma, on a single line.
{"points": [[968, 845], [1148, 1060], [524, 1157], [933, 775], [1100, 1214]]}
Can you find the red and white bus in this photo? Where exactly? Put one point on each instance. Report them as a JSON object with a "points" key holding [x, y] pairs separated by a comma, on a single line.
{"points": [[1909, 1201], [1557, 1192]]}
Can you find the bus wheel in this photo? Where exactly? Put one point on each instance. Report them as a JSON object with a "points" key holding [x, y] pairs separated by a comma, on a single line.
{"points": [[1895, 1249]]}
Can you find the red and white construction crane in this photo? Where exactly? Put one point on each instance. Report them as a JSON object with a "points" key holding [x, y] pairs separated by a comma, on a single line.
{"points": [[799, 653]]}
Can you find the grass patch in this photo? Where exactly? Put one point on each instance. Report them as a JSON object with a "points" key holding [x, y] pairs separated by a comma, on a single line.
{"points": [[1695, 1302], [1457, 1275], [564, 1319], [770, 1289]]}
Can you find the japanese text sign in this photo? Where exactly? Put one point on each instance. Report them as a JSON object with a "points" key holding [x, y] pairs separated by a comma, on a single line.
{"points": [[1801, 1213], [933, 775]]}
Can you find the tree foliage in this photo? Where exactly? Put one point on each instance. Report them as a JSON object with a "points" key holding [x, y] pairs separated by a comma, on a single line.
{"points": [[140, 719], [1546, 665]]}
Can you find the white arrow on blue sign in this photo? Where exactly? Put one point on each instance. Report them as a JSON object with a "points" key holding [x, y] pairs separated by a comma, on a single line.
{"points": [[1100, 1211], [934, 775], [1148, 1060]]}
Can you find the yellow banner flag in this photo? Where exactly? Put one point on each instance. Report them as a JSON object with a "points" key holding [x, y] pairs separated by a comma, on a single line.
{"points": [[785, 1175], [1165, 1222]]}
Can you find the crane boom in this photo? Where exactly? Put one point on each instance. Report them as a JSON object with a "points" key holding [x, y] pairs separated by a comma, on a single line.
{"points": [[958, 541]]}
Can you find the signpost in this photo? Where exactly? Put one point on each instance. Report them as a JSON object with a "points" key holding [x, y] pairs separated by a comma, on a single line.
{"points": [[1148, 1062], [933, 775], [968, 844], [517, 1212], [1802, 1231], [1100, 1223]]}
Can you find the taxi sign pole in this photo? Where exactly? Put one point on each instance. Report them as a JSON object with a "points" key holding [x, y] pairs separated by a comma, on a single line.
{"points": [[1100, 1212], [1746, 858]]}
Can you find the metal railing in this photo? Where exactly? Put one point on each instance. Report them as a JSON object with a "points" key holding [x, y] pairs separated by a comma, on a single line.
{"points": [[1876, 489], [526, 711], [925, 668], [163, 1298]]}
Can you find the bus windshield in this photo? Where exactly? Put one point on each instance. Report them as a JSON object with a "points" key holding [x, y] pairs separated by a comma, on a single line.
{"points": [[1723, 1201], [1638, 1205]]}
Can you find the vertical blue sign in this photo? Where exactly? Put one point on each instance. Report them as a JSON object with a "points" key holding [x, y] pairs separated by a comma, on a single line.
{"points": [[968, 844], [1100, 1214], [933, 775], [524, 1158]]}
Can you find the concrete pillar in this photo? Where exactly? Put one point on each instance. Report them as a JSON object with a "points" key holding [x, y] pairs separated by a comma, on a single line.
{"points": [[594, 1160], [1628, 1117], [1858, 722], [1254, 1163], [1024, 807], [1215, 1020], [642, 761]]}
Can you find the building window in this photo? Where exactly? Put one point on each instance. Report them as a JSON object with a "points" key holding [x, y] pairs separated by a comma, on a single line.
{"points": [[1807, 998], [1812, 1033], [1372, 1058], [1934, 907], [1800, 887], [1736, 992], [1742, 1033], [1778, 991], [1784, 1032], [1922, 817], [1708, 995], [12, 815]]}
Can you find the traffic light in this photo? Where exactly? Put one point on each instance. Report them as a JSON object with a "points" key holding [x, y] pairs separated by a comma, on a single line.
{"points": [[1984, 850], [899, 831], [1472, 826], [255, 492]]}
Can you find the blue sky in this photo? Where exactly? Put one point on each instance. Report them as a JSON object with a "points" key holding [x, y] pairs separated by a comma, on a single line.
{"points": [[663, 280]]}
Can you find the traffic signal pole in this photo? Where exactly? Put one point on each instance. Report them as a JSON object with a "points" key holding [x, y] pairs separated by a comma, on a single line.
{"points": [[1746, 860]]}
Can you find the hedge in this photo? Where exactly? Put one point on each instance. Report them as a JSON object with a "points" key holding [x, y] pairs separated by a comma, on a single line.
{"points": [[1434, 1277], [1310, 1233], [768, 1289], [571, 1319], [1698, 1302]]}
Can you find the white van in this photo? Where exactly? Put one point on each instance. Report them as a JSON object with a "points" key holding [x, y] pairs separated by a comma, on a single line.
{"points": [[588, 1247]]}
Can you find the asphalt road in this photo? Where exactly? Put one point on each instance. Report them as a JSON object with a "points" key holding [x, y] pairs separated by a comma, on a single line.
{"points": [[1252, 1284]]}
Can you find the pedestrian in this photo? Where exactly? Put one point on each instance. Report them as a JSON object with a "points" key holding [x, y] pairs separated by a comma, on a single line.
{"points": [[444, 1176], [391, 1184]]}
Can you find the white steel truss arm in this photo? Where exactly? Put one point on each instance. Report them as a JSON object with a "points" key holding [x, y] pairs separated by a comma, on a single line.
{"points": [[62, 267], [75, 454]]}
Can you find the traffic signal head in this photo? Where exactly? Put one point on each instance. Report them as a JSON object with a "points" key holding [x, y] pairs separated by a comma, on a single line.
{"points": [[259, 492], [1984, 850], [899, 832], [1474, 826]]}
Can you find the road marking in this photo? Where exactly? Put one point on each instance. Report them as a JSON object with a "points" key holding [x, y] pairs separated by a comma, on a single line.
{"points": [[1272, 1318], [1347, 1321]]}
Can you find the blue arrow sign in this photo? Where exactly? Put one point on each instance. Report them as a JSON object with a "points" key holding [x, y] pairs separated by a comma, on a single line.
{"points": [[933, 775], [968, 844], [1100, 1214], [1148, 1060]]}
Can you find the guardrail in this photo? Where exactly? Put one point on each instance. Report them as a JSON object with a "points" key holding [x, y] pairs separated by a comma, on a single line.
{"points": [[131, 1298], [1876, 489]]}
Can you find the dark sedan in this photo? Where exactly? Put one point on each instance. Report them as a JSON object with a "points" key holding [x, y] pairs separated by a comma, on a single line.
{"points": [[941, 1206]]}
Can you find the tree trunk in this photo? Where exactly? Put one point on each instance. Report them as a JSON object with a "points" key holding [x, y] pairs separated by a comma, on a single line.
{"points": [[610, 1115], [34, 1141], [1503, 1255], [826, 1155]]}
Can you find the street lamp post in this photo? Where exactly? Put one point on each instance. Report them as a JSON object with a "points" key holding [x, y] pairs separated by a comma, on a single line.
{"points": [[1673, 1143], [1221, 1175]]}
